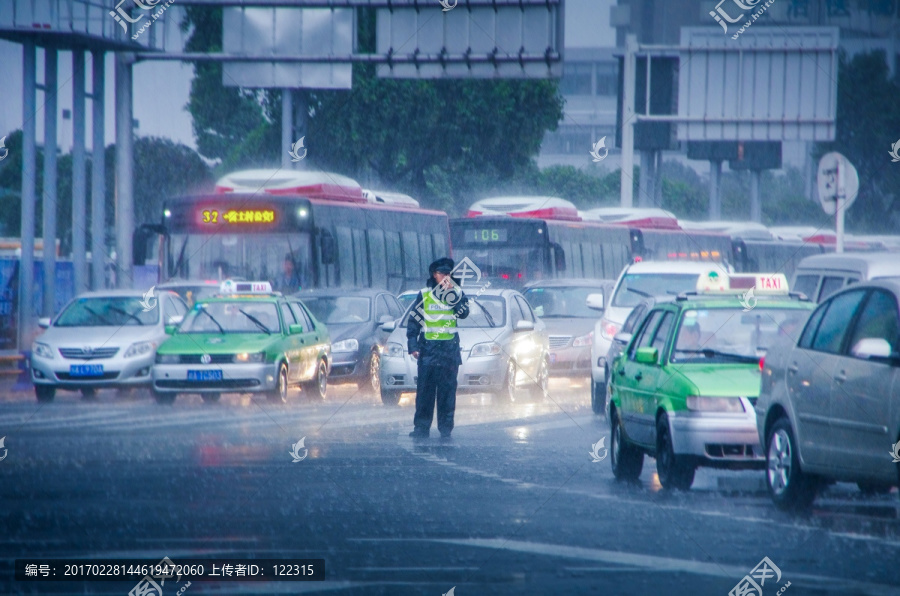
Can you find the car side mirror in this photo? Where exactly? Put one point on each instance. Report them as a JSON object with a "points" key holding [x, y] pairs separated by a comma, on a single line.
{"points": [[594, 301], [524, 326], [871, 347], [646, 355], [389, 325], [175, 320], [171, 329], [295, 328], [622, 337], [44, 322], [384, 319]]}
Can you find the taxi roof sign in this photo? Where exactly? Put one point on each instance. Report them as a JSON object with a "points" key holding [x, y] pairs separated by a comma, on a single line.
{"points": [[229, 286], [714, 282]]}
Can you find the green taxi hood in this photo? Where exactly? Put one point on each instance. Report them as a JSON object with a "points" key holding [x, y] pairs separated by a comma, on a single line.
{"points": [[722, 379], [217, 343]]}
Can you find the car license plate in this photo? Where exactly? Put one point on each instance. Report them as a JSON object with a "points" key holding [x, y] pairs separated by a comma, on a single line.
{"points": [[86, 370], [204, 375], [552, 358]]}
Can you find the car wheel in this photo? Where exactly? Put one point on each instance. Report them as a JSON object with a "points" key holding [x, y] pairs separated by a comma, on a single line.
{"points": [[508, 392], [627, 460], [279, 394], [674, 471], [211, 398], [540, 385], [373, 380], [165, 399], [598, 397], [44, 393], [390, 397], [89, 393], [789, 487], [319, 385]]}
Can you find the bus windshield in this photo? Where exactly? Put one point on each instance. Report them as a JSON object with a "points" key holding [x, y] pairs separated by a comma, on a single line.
{"points": [[282, 259], [500, 265]]}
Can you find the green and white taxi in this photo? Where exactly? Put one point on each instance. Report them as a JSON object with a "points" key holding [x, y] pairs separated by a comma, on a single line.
{"points": [[246, 339], [684, 388]]}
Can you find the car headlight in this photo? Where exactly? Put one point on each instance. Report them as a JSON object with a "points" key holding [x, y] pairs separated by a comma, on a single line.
{"points": [[167, 358], [699, 403], [139, 349], [393, 350], [246, 357], [345, 345], [489, 348], [608, 329], [584, 340], [42, 350]]}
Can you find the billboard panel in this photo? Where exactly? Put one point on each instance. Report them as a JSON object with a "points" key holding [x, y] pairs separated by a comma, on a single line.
{"points": [[770, 84]]}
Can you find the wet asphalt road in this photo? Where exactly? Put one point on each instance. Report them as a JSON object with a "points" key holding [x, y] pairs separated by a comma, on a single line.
{"points": [[513, 505]]}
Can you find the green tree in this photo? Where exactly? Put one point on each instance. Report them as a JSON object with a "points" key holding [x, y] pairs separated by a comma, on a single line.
{"points": [[868, 123], [442, 141]]}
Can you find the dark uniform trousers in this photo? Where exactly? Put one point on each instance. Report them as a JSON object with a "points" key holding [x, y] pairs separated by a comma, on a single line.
{"points": [[437, 383]]}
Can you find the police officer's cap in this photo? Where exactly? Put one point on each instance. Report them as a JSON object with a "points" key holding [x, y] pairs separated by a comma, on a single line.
{"points": [[444, 265]]}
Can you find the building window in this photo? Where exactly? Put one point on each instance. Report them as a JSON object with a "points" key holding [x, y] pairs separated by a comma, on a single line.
{"points": [[576, 79]]}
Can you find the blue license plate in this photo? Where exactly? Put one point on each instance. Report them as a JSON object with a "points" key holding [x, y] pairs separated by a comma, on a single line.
{"points": [[552, 358], [86, 370], [204, 375]]}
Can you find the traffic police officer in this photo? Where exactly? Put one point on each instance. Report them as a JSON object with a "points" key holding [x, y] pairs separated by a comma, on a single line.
{"points": [[432, 340]]}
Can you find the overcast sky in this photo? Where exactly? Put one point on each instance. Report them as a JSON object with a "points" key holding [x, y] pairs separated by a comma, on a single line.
{"points": [[161, 88]]}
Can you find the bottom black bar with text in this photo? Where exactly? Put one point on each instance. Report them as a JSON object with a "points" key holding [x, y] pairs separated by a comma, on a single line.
{"points": [[177, 570]]}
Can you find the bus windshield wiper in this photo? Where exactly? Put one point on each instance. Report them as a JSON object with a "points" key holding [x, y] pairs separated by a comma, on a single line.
{"points": [[639, 292], [213, 319], [180, 260], [130, 315], [256, 321], [487, 315]]}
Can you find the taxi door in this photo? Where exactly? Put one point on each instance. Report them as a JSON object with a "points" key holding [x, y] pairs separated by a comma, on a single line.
{"points": [[631, 382], [292, 345], [653, 384]]}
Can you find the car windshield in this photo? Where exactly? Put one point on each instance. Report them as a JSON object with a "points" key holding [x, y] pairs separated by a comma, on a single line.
{"points": [[730, 334], [339, 309], [640, 286], [484, 311], [193, 293], [231, 317], [108, 311], [563, 301]]}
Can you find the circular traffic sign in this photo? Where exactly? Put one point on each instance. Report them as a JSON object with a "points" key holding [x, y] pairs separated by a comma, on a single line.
{"points": [[837, 179]]}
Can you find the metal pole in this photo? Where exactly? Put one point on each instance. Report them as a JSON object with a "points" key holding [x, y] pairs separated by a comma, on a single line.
{"points": [[26, 263], [51, 60], [839, 200], [628, 92], [657, 183], [79, 209], [287, 115], [715, 201], [124, 160], [645, 184], [98, 173], [755, 205], [301, 112]]}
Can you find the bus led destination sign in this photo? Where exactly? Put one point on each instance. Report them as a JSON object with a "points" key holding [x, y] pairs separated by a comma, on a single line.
{"points": [[209, 216]]}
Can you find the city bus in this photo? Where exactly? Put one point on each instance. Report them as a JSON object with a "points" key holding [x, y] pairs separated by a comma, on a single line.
{"points": [[514, 240], [304, 229]]}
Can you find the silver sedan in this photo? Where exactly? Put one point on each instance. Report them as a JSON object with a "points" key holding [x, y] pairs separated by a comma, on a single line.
{"points": [[102, 339], [504, 348]]}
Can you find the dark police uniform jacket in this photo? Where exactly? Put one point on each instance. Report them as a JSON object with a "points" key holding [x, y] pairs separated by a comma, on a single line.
{"points": [[435, 352]]}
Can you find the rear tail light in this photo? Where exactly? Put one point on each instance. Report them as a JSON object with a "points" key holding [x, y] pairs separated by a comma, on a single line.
{"points": [[762, 363]]}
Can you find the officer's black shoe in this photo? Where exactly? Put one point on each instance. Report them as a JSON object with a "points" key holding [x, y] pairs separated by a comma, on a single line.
{"points": [[446, 437], [419, 434]]}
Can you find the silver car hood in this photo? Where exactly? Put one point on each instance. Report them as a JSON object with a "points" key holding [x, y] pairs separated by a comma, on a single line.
{"points": [[80, 337], [468, 336]]}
